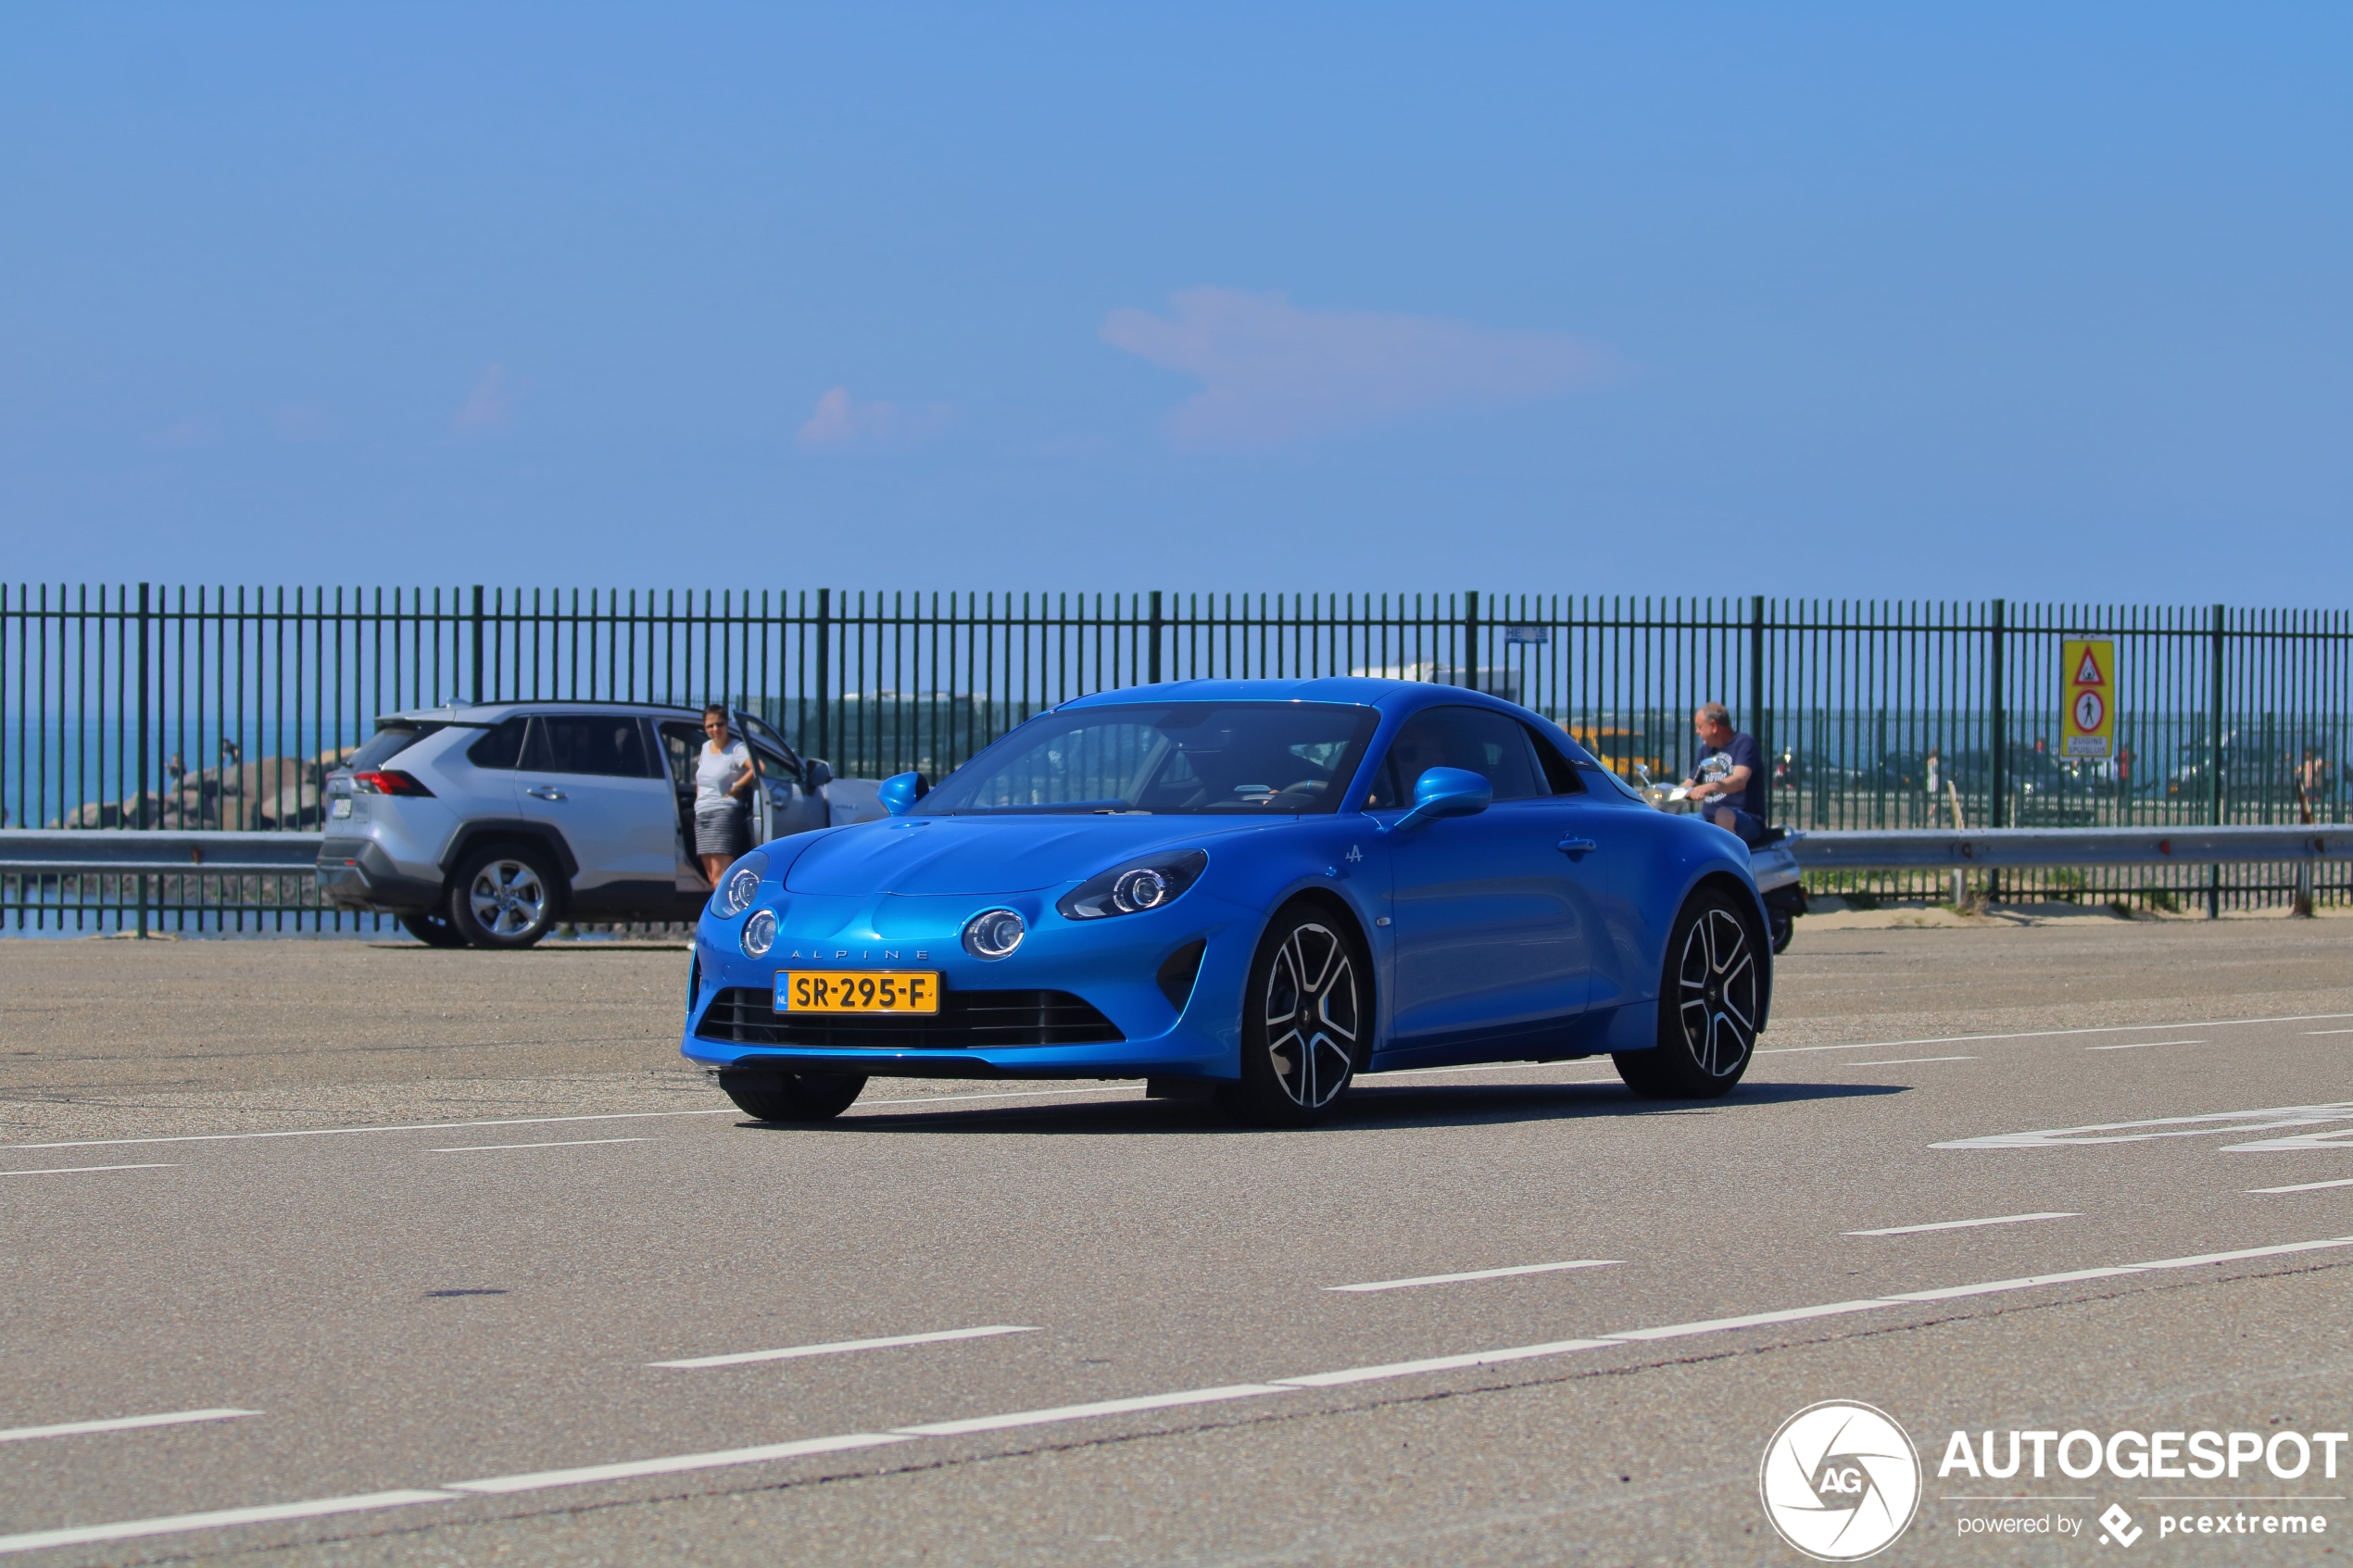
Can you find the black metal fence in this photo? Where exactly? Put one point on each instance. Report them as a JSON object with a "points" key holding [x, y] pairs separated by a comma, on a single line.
{"points": [[135, 705]]}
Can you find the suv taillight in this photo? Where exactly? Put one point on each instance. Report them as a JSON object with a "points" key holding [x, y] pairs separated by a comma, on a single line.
{"points": [[388, 781]]}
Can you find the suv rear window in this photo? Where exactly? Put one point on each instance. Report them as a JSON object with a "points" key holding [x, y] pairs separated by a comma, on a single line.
{"points": [[387, 742]]}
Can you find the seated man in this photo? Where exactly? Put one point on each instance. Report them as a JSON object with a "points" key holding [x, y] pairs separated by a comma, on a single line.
{"points": [[1728, 787]]}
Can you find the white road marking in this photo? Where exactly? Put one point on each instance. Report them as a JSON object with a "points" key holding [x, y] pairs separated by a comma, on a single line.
{"points": [[2301, 1186], [567, 1142], [673, 1464], [86, 1169], [119, 1423], [1478, 1273], [407, 1127], [1088, 1411], [2220, 1124], [1912, 1060], [2142, 1045], [2054, 1034], [173, 1524], [843, 1347], [629, 1469], [2309, 1032], [1968, 1224]]}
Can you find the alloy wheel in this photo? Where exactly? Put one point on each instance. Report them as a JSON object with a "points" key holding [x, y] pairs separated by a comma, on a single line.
{"points": [[1310, 1009], [1718, 1005], [506, 898]]}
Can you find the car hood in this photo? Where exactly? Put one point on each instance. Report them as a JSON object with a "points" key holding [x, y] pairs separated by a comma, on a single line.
{"points": [[924, 856]]}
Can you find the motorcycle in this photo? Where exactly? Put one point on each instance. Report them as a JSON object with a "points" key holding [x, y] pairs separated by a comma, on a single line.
{"points": [[1772, 864]]}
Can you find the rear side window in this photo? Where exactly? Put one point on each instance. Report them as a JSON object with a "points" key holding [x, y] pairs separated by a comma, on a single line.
{"points": [[1560, 773], [500, 746], [386, 743], [612, 745], [1490, 745]]}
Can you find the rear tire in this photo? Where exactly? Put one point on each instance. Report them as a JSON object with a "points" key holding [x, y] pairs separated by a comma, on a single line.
{"points": [[505, 897], [791, 1097], [1306, 1012], [1710, 995], [432, 928]]}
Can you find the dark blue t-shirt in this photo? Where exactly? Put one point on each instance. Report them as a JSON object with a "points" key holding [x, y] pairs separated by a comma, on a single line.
{"points": [[1738, 752]]}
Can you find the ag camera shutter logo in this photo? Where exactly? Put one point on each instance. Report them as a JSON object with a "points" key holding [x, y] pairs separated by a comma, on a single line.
{"points": [[1839, 1481]]}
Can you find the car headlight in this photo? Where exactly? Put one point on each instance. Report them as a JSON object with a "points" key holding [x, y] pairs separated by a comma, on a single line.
{"points": [[760, 933], [1134, 887], [736, 891], [994, 933]]}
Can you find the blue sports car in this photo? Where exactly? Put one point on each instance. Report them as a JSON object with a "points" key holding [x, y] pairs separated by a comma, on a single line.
{"points": [[1245, 890]]}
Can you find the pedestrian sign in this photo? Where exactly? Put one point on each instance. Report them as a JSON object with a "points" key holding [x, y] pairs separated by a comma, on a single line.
{"points": [[2089, 666]]}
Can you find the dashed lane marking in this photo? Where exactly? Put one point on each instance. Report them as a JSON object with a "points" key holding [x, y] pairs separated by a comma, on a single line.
{"points": [[536, 1480], [86, 1169], [2056, 1033], [2307, 1187], [118, 1423], [567, 1143], [1969, 1225], [1478, 1273], [2142, 1045], [844, 1347]]}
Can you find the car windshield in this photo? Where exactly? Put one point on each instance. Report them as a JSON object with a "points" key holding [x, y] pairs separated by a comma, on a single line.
{"points": [[1183, 758]]}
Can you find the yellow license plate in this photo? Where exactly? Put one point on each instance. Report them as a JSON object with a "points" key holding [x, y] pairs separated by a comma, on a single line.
{"points": [[857, 990]]}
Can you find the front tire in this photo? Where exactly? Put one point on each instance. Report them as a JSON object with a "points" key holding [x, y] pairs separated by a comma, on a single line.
{"points": [[1306, 1011], [790, 1096], [505, 897], [1710, 995]]}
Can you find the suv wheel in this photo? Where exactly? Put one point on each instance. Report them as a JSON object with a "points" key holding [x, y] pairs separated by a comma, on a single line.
{"points": [[504, 895]]}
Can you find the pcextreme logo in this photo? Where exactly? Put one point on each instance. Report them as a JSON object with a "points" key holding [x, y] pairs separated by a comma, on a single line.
{"points": [[1839, 1481]]}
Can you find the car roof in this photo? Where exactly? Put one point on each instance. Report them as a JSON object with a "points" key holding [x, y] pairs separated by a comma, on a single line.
{"points": [[488, 713], [1363, 691]]}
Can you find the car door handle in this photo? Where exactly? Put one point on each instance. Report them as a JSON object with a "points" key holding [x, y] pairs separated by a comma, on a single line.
{"points": [[545, 791], [1576, 849]]}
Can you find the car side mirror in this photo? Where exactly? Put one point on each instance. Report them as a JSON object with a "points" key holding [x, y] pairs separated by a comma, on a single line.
{"points": [[819, 772], [1446, 792], [901, 791]]}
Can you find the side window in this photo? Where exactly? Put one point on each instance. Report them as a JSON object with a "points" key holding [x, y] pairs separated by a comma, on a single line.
{"points": [[680, 744], [1560, 773], [612, 744], [1490, 745], [500, 746]]}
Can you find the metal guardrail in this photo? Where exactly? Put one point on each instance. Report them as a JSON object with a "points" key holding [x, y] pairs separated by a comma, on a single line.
{"points": [[1919, 849], [131, 852], [135, 852]]}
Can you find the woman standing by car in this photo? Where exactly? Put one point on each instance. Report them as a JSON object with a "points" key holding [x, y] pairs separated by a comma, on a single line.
{"points": [[723, 778]]}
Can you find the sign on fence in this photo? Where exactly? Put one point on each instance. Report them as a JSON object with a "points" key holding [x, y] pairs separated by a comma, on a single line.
{"points": [[2089, 665]]}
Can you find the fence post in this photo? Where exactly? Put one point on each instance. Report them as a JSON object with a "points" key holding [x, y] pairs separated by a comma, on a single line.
{"points": [[477, 641], [1156, 625], [1996, 814], [138, 780], [1468, 674], [1757, 724], [824, 672], [2214, 808]]}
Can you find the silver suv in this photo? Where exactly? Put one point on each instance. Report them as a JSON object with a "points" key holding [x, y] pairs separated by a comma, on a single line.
{"points": [[487, 824]]}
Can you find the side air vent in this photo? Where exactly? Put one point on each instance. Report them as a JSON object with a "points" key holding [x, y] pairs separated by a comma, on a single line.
{"points": [[1177, 977]]}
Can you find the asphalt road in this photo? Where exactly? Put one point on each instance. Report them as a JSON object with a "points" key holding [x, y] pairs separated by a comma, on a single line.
{"points": [[437, 1219]]}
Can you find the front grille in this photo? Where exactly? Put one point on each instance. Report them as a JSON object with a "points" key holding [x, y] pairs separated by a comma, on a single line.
{"points": [[744, 1015]]}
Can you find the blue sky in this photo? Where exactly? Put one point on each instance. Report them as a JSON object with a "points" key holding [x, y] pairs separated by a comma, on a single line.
{"points": [[1855, 300]]}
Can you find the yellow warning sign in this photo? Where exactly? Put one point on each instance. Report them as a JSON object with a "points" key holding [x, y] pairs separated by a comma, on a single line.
{"points": [[2090, 668]]}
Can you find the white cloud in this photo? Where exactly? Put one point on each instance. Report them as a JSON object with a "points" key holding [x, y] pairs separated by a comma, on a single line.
{"points": [[1271, 372], [492, 400], [841, 421]]}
